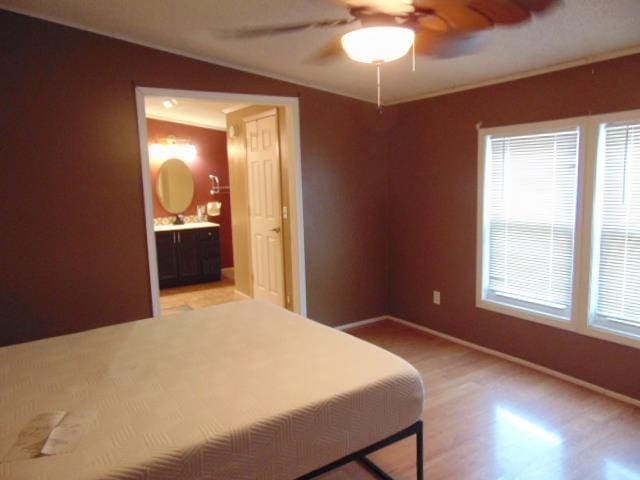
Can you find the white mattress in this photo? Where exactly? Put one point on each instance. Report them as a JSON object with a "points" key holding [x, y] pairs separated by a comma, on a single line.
{"points": [[238, 391]]}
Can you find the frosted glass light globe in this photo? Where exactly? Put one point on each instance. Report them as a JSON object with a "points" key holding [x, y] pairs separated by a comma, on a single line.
{"points": [[378, 44]]}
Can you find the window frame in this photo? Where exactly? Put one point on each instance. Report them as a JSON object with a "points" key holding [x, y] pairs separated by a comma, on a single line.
{"points": [[588, 325], [582, 315]]}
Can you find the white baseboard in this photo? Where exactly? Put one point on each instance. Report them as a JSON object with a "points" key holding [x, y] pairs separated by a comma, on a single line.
{"points": [[504, 356], [361, 323], [243, 295], [228, 273]]}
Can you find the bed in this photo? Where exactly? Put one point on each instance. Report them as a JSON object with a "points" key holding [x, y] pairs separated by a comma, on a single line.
{"points": [[244, 390]]}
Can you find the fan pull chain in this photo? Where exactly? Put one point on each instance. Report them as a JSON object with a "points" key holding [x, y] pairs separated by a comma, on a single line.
{"points": [[379, 88], [413, 57]]}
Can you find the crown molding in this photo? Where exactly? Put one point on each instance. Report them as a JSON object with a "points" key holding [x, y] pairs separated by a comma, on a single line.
{"points": [[526, 74], [438, 93], [182, 53]]}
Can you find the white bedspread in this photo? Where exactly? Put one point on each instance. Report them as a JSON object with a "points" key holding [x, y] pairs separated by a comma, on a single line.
{"points": [[238, 391]]}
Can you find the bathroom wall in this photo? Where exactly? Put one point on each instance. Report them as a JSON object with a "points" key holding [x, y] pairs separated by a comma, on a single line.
{"points": [[211, 158]]}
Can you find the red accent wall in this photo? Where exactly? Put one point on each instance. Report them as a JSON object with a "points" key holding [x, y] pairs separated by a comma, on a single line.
{"points": [[433, 221], [73, 240], [211, 158]]}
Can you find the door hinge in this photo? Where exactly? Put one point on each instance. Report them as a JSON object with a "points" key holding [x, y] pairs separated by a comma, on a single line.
{"points": [[288, 299], [285, 213]]}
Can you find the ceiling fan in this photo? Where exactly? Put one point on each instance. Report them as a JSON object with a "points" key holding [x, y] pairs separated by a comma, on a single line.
{"points": [[385, 30]]}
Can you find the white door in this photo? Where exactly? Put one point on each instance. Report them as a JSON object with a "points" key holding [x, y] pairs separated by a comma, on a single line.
{"points": [[265, 207]]}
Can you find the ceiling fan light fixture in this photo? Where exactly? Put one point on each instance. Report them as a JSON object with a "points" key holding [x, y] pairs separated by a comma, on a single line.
{"points": [[378, 44]]}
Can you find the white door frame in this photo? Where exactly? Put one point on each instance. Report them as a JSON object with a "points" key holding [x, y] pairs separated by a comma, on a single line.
{"points": [[291, 106]]}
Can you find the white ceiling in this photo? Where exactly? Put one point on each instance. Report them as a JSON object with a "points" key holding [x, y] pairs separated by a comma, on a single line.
{"points": [[577, 31], [198, 113]]}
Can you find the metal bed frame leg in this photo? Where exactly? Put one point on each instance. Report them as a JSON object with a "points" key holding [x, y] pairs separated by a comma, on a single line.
{"points": [[419, 452], [416, 428], [361, 455]]}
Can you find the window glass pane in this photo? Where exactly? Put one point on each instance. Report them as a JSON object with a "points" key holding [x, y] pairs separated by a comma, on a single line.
{"points": [[530, 213], [617, 234]]}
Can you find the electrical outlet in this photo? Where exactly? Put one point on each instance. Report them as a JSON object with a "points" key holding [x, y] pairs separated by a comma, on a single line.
{"points": [[436, 297]]}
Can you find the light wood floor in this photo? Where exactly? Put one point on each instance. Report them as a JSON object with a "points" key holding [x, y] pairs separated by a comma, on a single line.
{"points": [[193, 297], [487, 418]]}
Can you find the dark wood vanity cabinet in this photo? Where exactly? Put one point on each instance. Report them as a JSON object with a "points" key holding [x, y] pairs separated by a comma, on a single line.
{"points": [[188, 256], [167, 258]]}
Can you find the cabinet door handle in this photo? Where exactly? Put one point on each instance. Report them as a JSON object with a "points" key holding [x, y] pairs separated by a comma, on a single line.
{"points": [[174, 237], [179, 238]]}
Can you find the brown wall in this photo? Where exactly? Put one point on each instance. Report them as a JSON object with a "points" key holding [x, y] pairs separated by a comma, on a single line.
{"points": [[211, 158], [379, 236], [73, 241], [433, 221]]}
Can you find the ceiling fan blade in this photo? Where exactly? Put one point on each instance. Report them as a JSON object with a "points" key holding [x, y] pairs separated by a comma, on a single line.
{"points": [[331, 51], [451, 46], [426, 42], [505, 12], [275, 30], [457, 14], [448, 45], [537, 5], [433, 23], [389, 7]]}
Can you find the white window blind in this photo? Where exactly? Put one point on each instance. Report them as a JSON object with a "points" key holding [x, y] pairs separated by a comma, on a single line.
{"points": [[530, 211], [616, 267]]}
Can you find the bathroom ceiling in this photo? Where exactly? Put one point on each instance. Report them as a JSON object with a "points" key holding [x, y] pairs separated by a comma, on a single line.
{"points": [[198, 113], [575, 32]]}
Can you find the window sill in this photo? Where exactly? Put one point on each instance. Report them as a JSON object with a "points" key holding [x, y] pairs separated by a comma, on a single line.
{"points": [[606, 330], [525, 314]]}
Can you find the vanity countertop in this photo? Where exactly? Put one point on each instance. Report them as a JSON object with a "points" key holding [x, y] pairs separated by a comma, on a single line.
{"points": [[186, 226]]}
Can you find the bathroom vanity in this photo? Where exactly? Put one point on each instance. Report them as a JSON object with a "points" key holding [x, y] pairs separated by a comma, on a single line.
{"points": [[188, 253]]}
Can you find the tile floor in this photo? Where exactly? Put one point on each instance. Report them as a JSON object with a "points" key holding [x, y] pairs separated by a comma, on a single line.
{"points": [[192, 297]]}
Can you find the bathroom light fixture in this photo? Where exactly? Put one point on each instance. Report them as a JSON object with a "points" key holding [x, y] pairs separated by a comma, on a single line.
{"points": [[172, 148], [378, 45], [170, 103]]}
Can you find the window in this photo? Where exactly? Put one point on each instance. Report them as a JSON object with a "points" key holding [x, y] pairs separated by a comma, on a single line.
{"points": [[615, 294], [531, 209], [559, 224]]}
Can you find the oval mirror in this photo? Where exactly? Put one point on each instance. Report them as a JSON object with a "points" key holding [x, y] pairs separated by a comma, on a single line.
{"points": [[174, 186]]}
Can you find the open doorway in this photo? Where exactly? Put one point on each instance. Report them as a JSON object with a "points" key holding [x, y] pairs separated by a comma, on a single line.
{"points": [[223, 200]]}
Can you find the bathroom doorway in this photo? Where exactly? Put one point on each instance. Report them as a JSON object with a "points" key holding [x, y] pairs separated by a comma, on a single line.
{"points": [[221, 180]]}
